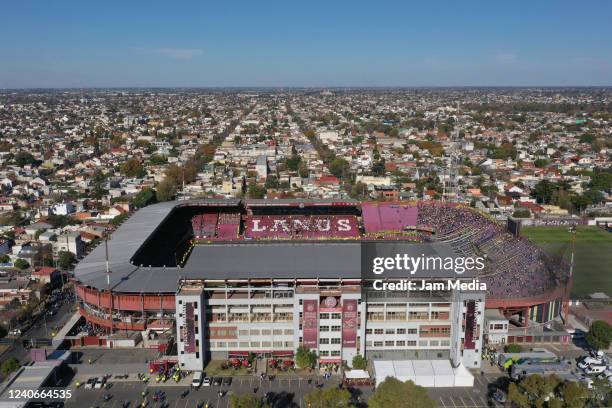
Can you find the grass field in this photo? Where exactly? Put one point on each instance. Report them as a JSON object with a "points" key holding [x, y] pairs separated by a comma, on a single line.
{"points": [[593, 269]]}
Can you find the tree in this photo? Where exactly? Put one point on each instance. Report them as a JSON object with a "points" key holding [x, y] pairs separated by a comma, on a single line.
{"points": [[574, 394], [256, 191], [247, 401], [303, 170], [144, 197], [599, 335], [65, 259], [359, 191], [10, 365], [580, 202], [329, 398], [543, 191], [594, 196], [305, 358], [23, 158], [272, 181], [521, 213], [601, 180], [339, 167], [60, 221], [360, 362], [21, 264], [540, 163], [294, 162], [378, 168], [133, 168], [513, 348], [11, 218], [547, 392], [118, 220], [392, 393], [165, 190], [98, 189]]}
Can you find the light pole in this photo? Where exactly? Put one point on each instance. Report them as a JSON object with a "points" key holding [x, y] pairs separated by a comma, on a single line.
{"points": [[108, 285]]}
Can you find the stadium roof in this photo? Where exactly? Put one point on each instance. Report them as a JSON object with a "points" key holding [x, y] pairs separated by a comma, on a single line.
{"points": [[303, 260], [246, 259], [285, 202]]}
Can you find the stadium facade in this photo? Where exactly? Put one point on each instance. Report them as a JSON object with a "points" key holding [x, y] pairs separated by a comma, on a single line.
{"points": [[234, 277]]}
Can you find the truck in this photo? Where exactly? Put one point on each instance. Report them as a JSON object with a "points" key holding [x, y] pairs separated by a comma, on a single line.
{"points": [[506, 360], [531, 367]]}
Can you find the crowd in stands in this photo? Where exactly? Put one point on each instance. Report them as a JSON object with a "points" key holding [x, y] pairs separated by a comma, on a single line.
{"points": [[516, 268]]}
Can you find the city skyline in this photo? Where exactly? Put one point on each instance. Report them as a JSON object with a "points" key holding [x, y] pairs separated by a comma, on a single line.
{"points": [[314, 45]]}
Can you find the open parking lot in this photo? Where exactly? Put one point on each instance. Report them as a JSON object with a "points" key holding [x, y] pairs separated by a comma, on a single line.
{"points": [[474, 397], [282, 392]]}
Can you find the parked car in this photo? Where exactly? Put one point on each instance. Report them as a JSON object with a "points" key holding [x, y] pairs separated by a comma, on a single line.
{"points": [[100, 382], [207, 382], [499, 396], [606, 374], [196, 381], [217, 381], [596, 353], [90, 383], [15, 332], [595, 369], [227, 381], [588, 361]]}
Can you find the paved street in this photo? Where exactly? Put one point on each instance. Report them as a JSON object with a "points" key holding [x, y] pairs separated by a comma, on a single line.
{"points": [[43, 328]]}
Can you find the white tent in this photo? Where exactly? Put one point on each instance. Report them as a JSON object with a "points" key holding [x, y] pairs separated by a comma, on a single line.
{"points": [[404, 370], [444, 375], [383, 369], [356, 374], [463, 377], [424, 373]]}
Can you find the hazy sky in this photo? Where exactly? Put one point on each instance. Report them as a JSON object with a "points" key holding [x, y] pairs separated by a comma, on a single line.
{"points": [[304, 43]]}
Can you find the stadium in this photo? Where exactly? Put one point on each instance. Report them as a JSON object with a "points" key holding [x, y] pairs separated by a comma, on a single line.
{"points": [[234, 277]]}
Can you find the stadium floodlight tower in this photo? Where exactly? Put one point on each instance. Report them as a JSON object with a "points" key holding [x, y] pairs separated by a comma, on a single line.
{"points": [[108, 283], [450, 186]]}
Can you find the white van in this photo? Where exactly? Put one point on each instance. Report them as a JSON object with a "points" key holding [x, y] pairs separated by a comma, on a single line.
{"points": [[595, 369], [196, 382]]}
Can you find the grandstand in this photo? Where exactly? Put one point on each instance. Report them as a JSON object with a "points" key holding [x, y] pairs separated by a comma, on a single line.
{"points": [[300, 248]]}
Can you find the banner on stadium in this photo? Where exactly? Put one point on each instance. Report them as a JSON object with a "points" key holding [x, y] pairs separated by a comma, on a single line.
{"points": [[189, 328], [310, 323], [470, 326], [349, 323]]}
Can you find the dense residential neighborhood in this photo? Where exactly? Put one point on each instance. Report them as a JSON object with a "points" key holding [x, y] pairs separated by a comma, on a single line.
{"points": [[77, 164]]}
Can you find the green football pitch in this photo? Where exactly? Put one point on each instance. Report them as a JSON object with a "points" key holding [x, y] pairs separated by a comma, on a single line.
{"points": [[593, 258]]}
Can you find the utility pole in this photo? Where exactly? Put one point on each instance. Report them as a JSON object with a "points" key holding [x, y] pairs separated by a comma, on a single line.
{"points": [[108, 285]]}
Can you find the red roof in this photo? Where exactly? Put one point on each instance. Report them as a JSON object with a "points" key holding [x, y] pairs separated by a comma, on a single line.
{"points": [[44, 270], [328, 180], [532, 206]]}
